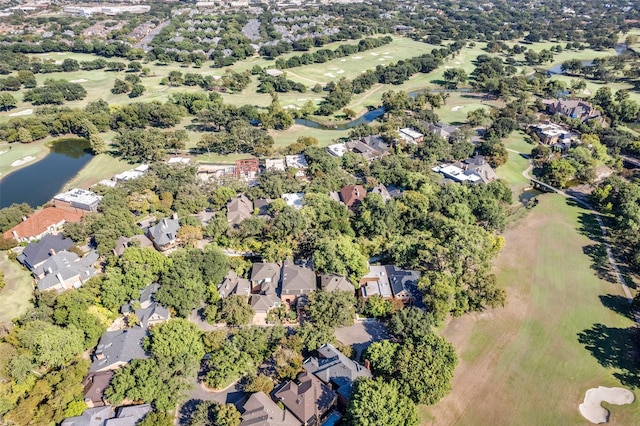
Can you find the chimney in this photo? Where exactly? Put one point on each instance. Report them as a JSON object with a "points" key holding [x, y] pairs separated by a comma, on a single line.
{"points": [[175, 216], [59, 277], [24, 218], [15, 235], [367, 364], [52, 252], [164, 222]]}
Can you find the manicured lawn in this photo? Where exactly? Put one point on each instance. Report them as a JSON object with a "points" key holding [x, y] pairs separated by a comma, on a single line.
{"points": [[592, 86], [15, 297], [17, 151], [458, 105], [524, 364], [289, 136], [100, 167], [512, 170]]}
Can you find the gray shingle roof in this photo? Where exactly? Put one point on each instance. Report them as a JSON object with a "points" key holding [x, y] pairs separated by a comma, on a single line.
{"points": [[297, 280], [308, 398], [65, 266], [164, 232], [260, 410], [117, 347], [331, 283], [239, 209], [267, 274], [232, 284], [90, 417], [264, 302], [36, 253]]}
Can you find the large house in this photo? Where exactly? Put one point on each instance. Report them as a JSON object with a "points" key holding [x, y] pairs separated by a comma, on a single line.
{"points": [[93, 388], [389, 282], [333, 283], [260, 410], [150, 312], [79, 200], [298, 162], [352, 195], [65, 270], [265, 287], [472, 170], [332, 367], [247, 168], [296, 281], [574, 108], [37, 253], [410, 135], [239, 209], [108, 416], [43, 222], [232, 284], [441, 129], [308, 398], [123, 243], [164, 234], [118, 348], [370, 147]]}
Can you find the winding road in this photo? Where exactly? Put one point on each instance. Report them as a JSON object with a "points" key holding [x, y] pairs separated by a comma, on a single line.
{"points": [[603, 229]]}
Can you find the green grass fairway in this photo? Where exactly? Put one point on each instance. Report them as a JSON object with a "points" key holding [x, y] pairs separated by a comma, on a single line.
{"points": [[100, 167], [289, 136], [592, 86], [460, 104], [512, 170], [16, 151], [524, 364], [15, 297]]}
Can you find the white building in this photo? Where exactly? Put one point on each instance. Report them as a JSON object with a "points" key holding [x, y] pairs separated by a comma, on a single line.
{"points": [[275, 164], [294, 199], [337, 150]]}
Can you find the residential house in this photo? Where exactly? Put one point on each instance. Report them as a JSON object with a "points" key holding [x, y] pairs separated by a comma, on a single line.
{"points": [[574, 108], [308, 398], [265, 278], [275, 164], [337, 150], [370, 147], [471, 170], [480, 167], [554, 135], [78, 200], [34, 254], [335, 369], [333, 283], [294, 199], [123, 243], [382, 191], [410, 136], [352, 195], [261, 206], [94, 385], [150, 312], [108, 416], [296, 281], [239, 209], [441, 129], [164, 234], [131, 174], [260, 410], [65, 270], [389, 282], [247, 168], [43, 222], [232, 284], [263, 303], [118, 348], [298, 162], [179, 160]]}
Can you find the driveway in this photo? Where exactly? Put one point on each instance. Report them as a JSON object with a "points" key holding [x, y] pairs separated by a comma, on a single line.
{"points": [[362, 334], [233, 394]]}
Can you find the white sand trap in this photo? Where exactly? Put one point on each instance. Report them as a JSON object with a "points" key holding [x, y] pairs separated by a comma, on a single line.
{"points": [[343, 60], [22, 161], [330, 74], [386, 53], [592, 409], [457, 108], [448, 66], [340, 72], [586, 92], [81, 80], [2, 152], [357, 57], [21, 113], [303, 99], [381, 59], [373, 54], [457, 62], [290, 107]]}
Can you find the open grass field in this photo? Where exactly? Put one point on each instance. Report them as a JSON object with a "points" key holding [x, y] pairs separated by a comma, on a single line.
{"points": [[101, 166], [458, 105], [15, 297], [531, 361], [512, 170], [17, 151], [592, 87]]}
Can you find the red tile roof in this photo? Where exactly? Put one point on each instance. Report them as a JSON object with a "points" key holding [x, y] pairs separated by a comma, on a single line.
{"points": [[40, 221]]}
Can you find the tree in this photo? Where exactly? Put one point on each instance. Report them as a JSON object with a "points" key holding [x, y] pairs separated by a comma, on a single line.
{"points": [[52, 346], [137, 90], [7, 102], [455, 76], [211, 413], [259, 383], [177, 345], [235, 311], [376, 402], [313, 335], [336, 309], [341, 256], [120, 87], [377, 307]]}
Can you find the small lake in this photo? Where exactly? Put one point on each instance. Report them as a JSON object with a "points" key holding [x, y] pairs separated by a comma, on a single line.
{"points": [[39, 182], [557, 69]]}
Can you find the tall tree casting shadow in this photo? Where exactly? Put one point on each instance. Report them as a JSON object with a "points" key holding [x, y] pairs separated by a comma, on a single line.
{"points": [[615, 348], [617, 303]]}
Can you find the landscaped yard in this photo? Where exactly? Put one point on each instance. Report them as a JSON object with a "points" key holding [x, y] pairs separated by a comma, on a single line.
{"points": [[512, 170], [531, 362], [15, 297]]}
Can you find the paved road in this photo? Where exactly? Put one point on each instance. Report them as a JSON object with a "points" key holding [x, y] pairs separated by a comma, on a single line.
{"points": [[603, 229]]}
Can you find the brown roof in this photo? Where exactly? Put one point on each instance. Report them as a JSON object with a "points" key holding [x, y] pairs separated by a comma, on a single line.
{"points": [[95, 384], [41, 220], [306, 399], [352, 194]]}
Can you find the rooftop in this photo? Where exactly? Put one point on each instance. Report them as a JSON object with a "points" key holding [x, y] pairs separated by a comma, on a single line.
{"points": [[78, 197], [119, 347], [41, 222]]}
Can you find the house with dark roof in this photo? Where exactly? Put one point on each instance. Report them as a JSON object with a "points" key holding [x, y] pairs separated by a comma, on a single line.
{"points": [[34, 254], [90, 417], [65, 270], [239, 209], [382, 191], [332, 367], [441, 129], [260, 410], [370, 147], [118, 348], [389, 282], [308, 398], [265, 278], [164, 234], [123, 243], [480, 167], [93, 388], [232, 284], [352, 195], [333, 283], [296, 281], [108, 416], [574, 108], [150, 312], [263, 303]]}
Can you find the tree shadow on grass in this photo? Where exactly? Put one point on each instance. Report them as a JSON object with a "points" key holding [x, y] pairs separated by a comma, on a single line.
{"points": [[615, 348], [617, 303], [600, 262], [187, 410]]}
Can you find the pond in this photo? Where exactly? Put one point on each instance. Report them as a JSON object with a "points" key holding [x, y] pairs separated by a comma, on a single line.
{"points": [[39, 182], [557, 69]]}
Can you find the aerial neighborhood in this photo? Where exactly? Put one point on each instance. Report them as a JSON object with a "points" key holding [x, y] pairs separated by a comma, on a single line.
{"points": [[327, 213]]}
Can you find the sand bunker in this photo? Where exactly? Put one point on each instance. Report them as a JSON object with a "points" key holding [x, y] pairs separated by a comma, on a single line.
{"points": [[23, 161], [448, 66], [303, 99], [340, 72], [596, 413], [330, 74], [373, 54], [586, 92], [80, 80], [343, 60], [357, 57], [381, 59], [20, 113], [2, 152], [457, 108], [457, 62]]}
